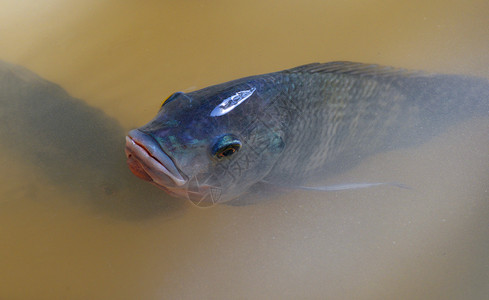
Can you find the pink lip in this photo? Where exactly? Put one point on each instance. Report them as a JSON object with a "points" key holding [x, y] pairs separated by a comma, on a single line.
{"points": [[146, 159], [143, 159], [136, 167], [145, 166]]}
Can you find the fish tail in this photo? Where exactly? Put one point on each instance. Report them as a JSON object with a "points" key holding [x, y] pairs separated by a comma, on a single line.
{"points": [[451, 97], [435, 102]]}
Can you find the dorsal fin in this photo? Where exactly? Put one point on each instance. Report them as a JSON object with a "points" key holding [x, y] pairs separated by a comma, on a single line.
{"points": [[354, 68]]}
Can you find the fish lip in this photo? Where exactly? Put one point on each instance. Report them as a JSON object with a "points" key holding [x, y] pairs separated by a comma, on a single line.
{"points": [[153, 159]]}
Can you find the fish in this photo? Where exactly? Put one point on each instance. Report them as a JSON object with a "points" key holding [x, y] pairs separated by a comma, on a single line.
{"points": [[284, 128]]}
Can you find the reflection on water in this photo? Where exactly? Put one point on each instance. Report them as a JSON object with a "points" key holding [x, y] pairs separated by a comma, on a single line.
{"points": [[86, 228]]}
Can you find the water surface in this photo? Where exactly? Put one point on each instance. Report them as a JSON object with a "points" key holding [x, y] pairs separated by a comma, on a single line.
{"points": [[129, 240]]}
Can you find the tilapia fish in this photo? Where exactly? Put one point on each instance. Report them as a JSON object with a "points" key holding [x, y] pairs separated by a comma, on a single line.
{"points": [[217, 143]]}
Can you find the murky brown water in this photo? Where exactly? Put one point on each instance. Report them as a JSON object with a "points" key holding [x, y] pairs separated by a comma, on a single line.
{"points": [[124, 57]]}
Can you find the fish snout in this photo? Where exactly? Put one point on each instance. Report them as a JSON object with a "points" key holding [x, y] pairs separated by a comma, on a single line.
{"points": [[147, 160]]}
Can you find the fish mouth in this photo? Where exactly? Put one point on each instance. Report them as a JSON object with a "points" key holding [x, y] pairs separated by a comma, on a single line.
{"points": [[148, 161]]}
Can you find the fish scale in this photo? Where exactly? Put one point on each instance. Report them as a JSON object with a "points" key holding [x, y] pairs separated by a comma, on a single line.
{"points": [[361, 115]]}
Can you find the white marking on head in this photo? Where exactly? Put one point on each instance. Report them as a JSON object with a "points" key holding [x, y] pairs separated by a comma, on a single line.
{"points": [[232, 102]]}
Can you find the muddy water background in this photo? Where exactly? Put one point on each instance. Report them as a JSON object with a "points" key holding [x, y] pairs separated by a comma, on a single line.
{"points": [[124, 57]]}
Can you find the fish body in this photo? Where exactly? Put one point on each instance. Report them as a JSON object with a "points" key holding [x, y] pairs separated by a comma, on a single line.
{"points": [[215, 144]]}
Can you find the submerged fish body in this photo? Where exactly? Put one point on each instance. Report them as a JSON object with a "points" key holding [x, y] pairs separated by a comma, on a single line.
{"points": [[215, 144]]}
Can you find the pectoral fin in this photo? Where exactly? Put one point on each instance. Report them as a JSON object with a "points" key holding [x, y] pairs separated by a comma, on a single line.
{"points": [[341, 187]]}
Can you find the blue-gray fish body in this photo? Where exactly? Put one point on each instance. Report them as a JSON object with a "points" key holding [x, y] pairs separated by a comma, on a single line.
{"points": [[215, 144]]}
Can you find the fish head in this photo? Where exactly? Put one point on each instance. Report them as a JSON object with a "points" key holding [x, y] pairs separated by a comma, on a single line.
{"points": [[209, 146]]}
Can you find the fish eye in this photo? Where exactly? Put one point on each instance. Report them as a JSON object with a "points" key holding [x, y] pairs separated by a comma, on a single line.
{"points": [[225, 146]]}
